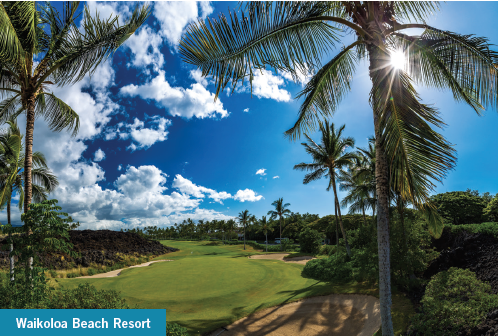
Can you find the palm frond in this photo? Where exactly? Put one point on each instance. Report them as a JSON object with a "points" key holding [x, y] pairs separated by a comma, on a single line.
{"points": [[324, 91], [288, 36], [11, 48], [464, 63], [315, 175], [82, 53], [9, 108], [57, 113], [44, 178], [414, 10], [414, 150]]}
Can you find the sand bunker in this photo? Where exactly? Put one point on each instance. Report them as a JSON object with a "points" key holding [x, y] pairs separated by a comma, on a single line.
{"points": [[335, 315], [280, 256], [117, 272]]}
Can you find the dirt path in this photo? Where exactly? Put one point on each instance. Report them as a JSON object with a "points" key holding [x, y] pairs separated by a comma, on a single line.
{"points": [[117, 272], [335, 315], [280, 256]]}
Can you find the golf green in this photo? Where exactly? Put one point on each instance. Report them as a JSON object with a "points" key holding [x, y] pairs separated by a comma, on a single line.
{"points": [[207, 286]]}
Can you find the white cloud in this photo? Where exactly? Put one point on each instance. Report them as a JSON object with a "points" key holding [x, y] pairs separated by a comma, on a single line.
{"points": [[120, 167], [99, 155], [145, 48], [187, 187], [146, 137], [246, 109], [302, 77], [197, 76], [276, 177], [247, 195], [174, 16], [187, 103], [266, 85], [261, 172]]}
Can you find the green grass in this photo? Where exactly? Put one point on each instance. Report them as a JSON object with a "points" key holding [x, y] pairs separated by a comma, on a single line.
{"points": [[208, 286]]}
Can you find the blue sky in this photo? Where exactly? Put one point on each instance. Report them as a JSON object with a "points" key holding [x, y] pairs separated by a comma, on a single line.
{"points": [[154, 148]]}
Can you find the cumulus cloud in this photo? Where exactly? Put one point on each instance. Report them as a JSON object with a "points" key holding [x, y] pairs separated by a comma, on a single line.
{"points": [[197, 76], [99, 155], [246, 109], [247, 195], [276, 177], [261, 172], [266, 85], [195, 101], [174, 16], [188, 187], [120, 167], [145, 48]]}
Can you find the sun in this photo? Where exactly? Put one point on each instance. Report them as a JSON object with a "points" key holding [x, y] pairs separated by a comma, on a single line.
{"points": [[398, 59]]}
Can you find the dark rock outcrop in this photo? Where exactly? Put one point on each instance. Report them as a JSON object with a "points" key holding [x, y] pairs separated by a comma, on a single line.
{"points": [[102, 247]]}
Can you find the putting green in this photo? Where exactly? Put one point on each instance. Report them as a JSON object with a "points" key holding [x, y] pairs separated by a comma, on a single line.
{"points": [[207, 287]]}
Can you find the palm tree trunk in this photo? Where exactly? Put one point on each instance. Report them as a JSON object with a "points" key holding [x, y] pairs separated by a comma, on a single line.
{"points": [[281, 246], [28, 156], [244, 236], [339, 213], [336, 225], [266, 234], [11, 258], [378, 62]]}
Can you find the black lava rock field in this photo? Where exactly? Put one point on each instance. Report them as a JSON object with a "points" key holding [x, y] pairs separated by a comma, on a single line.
{"points": [[102, 247]]}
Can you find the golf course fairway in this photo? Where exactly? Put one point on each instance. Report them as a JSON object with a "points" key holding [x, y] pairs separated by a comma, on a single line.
{"points": [[209, 286]]}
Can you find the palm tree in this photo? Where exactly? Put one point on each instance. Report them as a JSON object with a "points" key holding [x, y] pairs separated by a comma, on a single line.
{"points": [[265, 226], [360, 184], [231, 225], [244, 219], [280, 212], [12, 178], [328, 156], [65, 54], [296, 36]]}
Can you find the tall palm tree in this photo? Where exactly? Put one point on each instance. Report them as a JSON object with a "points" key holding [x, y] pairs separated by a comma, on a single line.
{"points": [[328, 156], [265, 226], [64, 53], [280, 212], [12, 177], [231, 225], [244, 219], [296, 37]]}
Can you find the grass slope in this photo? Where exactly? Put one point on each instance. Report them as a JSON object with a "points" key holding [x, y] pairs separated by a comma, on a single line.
{"points": [[208, 286]]}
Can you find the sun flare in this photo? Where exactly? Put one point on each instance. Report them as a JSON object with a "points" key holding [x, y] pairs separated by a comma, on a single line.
{"points": [[398, 59]]}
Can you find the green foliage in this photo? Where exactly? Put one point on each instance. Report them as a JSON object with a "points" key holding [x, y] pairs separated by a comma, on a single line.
{"points": [[327, 249], [454, 300], [310, 241], [174, 329], [86, 296], [336, 268], [489, 228], [287, 245], [460, 207], [491, 210]]}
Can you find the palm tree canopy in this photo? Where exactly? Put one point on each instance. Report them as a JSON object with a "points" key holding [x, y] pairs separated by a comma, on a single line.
{"points": [[280, 209], [329, 155], [297, 36], [12, 165], [67, 53]]}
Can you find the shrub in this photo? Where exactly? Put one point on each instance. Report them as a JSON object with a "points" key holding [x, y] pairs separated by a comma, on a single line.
{"points": [[336, 267], [328, 250], [92, 271], [454, 300], [460, 207], [173, 329], [86, 296], [490, 228], [72, 275], [310, 241]]}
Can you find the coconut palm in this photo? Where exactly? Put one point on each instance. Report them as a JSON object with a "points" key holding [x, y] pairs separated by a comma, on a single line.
{"points": [[244, 219], [329, 156], [297, 36], [65, 53], [231, 225], [265, 226], [280, 212], [12, 177]]}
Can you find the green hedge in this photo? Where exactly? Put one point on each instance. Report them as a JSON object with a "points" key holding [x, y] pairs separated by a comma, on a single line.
{"points": [[490, 228], [454, 300]]}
